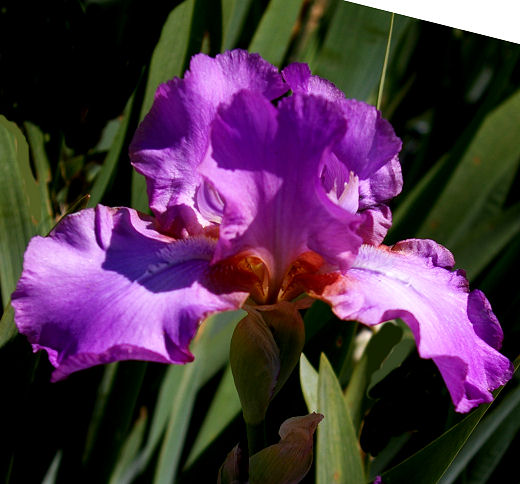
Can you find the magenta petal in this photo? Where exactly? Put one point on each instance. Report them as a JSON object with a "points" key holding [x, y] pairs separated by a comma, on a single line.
{"points": [[369, 142], [172, 139], [266, 165], [299, 78], [376, 223], [381, 186], [454, 327], [368, 149], [105, 286]]}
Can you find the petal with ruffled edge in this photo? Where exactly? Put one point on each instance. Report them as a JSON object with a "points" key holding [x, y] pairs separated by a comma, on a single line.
{"points": [[454, 327], [106, 286], [265, 164], [173, 137], [368, 150], [369, 142]]}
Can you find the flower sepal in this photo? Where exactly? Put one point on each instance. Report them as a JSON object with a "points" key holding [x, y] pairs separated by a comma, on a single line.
{"points": [[289, 460], [265, 347]]}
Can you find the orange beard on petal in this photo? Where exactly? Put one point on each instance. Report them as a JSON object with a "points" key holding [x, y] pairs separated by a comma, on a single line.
{"points": [[240, 273], [304, 276], [244, 272]]}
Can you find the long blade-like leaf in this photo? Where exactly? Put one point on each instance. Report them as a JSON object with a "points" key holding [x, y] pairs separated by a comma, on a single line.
{"points": [[272, 37], [338, 457]]}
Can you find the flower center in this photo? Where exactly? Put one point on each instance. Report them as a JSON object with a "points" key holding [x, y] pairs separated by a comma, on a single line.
{"points": [[249, 273]]}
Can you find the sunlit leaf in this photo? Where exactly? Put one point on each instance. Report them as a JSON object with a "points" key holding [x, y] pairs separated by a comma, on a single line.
{"points": [[309, 383], [272, 36], [234, 13], [338, 458], [20, 213], [37, 146], [353, 53]]}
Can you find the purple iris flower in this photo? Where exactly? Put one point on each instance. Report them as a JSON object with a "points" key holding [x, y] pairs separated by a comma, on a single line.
{"points": [[257, 198]]}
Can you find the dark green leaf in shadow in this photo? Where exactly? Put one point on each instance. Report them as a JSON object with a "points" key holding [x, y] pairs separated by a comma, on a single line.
{"points": [[490, 454], [190, 381], [378, 348], [429, 464], [130, 449], [486, 240], [503, 412], [169, 60], [107, 171], [493, 153], [177, 394], [224, 408]]}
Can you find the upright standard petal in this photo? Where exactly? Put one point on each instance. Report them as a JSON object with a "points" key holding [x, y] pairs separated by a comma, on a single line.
{"points": [[266, 165], [368, 150], [106, 286], [369, 142], [454, 327], [172, 139]]}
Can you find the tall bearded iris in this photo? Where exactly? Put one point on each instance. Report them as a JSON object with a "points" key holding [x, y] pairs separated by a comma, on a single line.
{"points": [[257, 198]]}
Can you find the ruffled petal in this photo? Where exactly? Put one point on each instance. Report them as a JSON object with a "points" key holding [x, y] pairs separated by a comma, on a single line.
{"points": [[383, 185], [106, 286], [454, 327], [266, 165], [173, 137], [368, 150], [369, 142]]}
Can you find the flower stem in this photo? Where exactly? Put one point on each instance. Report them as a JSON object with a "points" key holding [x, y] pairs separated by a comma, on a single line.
{"points": [[256, 439]]}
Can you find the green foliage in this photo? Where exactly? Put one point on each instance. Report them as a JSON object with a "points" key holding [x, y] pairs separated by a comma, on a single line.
{"points": [[451, 96], [338, 454]]}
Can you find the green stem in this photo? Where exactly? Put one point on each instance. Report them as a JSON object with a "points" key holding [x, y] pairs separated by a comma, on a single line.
{"points": [[256, 439], [385, 64]]}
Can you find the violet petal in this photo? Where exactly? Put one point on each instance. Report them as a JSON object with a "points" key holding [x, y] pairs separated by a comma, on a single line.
{"points": [[106, 286], [266, 165], [454, 327], [173, 137]]}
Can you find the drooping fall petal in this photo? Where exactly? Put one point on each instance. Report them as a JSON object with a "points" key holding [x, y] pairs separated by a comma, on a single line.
{"points": [[106, 286], [454, 327]]}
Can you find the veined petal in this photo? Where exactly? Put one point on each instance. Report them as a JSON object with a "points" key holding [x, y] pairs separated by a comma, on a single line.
{"points": [[381, 186], [368, 149], [172, 139], [266, 165], [106, 286], [369, 142], [454, 327]]}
